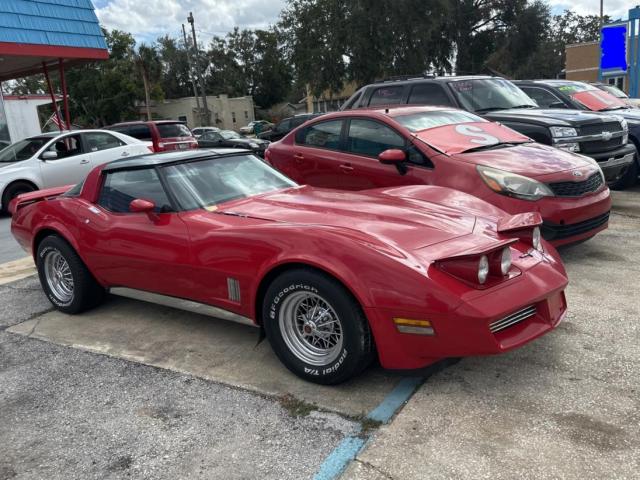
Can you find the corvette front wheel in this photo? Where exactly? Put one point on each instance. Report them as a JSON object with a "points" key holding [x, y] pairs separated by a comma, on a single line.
{"points": [[316, 328]]}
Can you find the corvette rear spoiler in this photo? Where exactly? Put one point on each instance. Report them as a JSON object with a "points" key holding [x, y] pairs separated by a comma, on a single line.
{"points": [[33, 197], [519, 222]]}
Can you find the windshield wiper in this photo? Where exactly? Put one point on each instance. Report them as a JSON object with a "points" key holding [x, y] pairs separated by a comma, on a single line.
{"points": [[493, 146], [620, 107], [526, 105], [490, 109]]}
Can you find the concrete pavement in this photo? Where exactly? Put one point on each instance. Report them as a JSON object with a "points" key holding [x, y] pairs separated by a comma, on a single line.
{"points": [[566, 406], [9, 248]]}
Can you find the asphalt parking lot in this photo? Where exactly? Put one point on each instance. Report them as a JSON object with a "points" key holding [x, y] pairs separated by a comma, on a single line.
{"points": [[137, 391]]}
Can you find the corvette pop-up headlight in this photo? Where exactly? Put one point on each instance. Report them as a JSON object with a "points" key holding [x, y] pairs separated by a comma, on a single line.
{"points": [[512, 184], [505, 261], [483, 269], [560, 136], [536, 239]]}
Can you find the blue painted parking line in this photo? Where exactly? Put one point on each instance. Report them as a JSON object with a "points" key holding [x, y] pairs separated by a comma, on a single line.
{"points": [[349, 448]]}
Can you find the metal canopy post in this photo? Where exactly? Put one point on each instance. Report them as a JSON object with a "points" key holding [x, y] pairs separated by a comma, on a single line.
{"points": [[65, 97], [53, 97]]}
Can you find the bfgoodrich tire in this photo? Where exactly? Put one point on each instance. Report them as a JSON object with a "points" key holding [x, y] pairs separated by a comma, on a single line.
{"points": [[316, 327], [65, 279]]}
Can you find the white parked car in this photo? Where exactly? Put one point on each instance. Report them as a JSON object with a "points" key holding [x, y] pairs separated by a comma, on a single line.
{"points": [[55, 159]]}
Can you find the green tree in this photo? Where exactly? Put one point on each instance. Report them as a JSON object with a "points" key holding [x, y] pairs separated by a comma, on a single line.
{"points": [[149, 66], [176, 80]]}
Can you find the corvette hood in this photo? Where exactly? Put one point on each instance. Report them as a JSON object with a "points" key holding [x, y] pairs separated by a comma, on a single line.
{"points": [[399, 221], [531, 159]]}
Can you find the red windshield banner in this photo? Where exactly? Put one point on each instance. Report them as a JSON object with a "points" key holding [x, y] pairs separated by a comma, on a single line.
{"points": [[457, 138], [598, 100]]}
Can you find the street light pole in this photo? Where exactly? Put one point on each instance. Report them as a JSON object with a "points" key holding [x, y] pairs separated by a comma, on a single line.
{"points": [[191, 76]]}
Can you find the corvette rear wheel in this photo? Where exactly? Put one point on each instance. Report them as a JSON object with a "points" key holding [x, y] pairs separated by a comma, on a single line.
{"points": [[316, 328], [65, 279]]}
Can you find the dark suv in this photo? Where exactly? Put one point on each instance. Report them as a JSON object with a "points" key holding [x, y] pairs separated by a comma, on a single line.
{"points": [[583, 96], [285, 126], [601, 137], [166, 135]]}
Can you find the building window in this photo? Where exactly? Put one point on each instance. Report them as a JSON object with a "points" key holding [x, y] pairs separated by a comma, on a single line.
{"points": [[182, 118], [246, 115], [233, 117]]}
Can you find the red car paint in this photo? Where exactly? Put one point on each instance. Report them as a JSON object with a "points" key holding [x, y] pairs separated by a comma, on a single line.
{"points": [[445, 147], [383, 246], [162, 133]]}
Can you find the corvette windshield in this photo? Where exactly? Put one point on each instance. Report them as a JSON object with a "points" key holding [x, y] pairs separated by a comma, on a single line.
{"points": [[484, 95], [22, 150], [417, 122], [206, 183]]}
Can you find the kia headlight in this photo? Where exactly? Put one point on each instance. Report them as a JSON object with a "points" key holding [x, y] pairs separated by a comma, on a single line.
{"points": [[513, 185]]}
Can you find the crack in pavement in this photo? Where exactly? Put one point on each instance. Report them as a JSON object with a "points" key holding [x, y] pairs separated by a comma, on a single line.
{"points": [[374, 468]]}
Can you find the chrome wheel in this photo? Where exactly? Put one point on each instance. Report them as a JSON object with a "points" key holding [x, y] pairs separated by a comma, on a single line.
{"points": [[59, 276], [310, 328]]}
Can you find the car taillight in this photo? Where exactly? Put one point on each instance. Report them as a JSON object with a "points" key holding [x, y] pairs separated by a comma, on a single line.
{"points": [[481, 270], [267, 157]]}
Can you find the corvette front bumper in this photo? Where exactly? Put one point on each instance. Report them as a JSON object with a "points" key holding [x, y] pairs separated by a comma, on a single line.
{"points": [[489, 322]]}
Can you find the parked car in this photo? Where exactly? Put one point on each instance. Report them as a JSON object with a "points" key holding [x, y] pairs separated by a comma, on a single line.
{"points": [[285, 126], [198, 131], [412, 274], [582, 96], [166, 135], [54, 159], [257, 126], [603, 138], [376, 148], [616, 92], [231, 139]]}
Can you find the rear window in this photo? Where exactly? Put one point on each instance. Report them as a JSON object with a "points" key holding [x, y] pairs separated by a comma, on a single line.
{"points": [[141, 132], [386, 96], [170, 130], [429, 94], [417, 122]]}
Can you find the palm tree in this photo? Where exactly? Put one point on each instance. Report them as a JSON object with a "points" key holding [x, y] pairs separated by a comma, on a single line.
{"points": [[148, 62]]}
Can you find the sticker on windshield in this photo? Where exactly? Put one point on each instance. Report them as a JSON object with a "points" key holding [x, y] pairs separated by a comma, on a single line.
{"points": [[480, 137]]}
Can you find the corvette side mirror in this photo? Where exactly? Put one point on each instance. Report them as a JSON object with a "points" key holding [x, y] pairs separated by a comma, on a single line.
{"points": [[393, 156], [49, 155], [557, 105], [140, 205]]}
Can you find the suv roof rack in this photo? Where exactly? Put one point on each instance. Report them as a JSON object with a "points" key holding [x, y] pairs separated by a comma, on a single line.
{"points": [[400, 78]]}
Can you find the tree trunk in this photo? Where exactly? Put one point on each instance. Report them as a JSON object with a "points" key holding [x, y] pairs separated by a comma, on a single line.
{"points": [[147, 95]]}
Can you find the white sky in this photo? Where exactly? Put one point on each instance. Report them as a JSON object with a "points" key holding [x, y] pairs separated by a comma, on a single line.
{"points": [[149, 19]]}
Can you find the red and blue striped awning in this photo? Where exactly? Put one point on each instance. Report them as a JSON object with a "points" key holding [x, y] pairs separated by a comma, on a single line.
{"points": [[37, 31]]}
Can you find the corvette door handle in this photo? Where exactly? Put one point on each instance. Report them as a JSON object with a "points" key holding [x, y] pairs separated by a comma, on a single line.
{"points": [[299, 157], [124, 154], [84, 161], [346, 168]]}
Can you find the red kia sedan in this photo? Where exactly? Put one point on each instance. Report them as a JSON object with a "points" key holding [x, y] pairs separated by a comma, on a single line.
{"points": [[364, 149]]}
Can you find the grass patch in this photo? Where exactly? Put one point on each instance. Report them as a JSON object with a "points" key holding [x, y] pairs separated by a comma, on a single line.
{"points": [[295, 406]]}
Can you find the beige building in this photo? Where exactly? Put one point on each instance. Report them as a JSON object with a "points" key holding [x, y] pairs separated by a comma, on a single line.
{"points": [[582, 61], [329, 101], [226, 113]]}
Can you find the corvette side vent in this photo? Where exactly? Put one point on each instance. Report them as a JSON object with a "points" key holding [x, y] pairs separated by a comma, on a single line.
{"points": [[513, 319], [234, 289]]}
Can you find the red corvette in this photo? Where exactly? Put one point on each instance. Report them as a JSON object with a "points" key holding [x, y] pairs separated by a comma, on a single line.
{"points": [[411, 274], [362, 149]]}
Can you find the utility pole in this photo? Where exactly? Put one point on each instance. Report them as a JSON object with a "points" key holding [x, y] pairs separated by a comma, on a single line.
{"points": [[198, 72], [601, 13], [191, 76]]}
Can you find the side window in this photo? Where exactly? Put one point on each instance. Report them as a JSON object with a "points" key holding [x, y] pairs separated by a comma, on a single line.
{"points": [[141, 132], [352, 101], [386, 95], [321, 135], [121, 188], [370, 138], [97, 141], [297, 121], [67, 146], [212, 136], [542, 97], [416, 157], [429, 94], [284, 125]]}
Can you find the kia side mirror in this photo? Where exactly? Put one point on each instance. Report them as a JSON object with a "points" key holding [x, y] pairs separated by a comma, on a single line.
{"points": [[140, 205], [392, 156], [49, 155]]}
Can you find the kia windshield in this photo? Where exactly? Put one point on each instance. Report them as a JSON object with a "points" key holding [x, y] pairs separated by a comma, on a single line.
{"points": [[23, 150], [485, 95], [229, 135]]}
